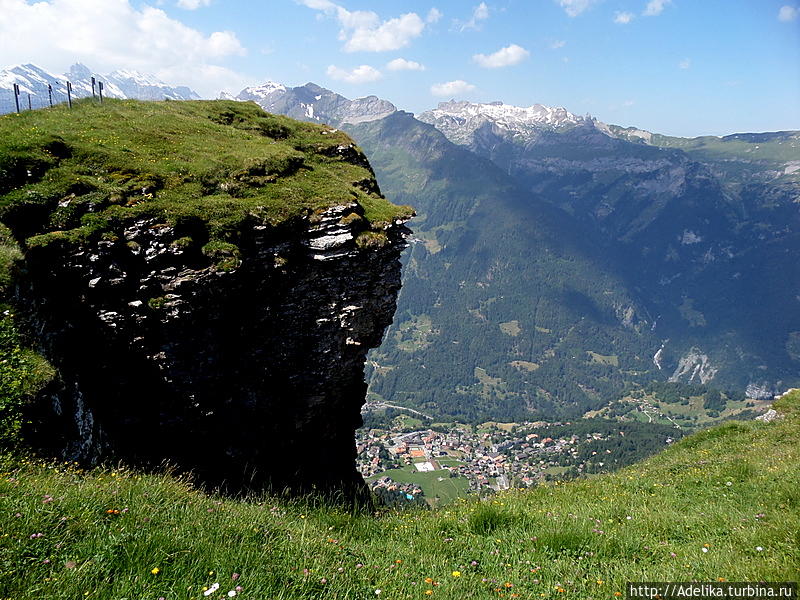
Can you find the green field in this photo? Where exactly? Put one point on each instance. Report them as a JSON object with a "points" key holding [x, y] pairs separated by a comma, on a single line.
{"points": [[436, 492]]}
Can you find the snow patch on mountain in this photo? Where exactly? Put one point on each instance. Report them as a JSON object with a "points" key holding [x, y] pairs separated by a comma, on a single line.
{"points": [[311, 102], [459, 121]]}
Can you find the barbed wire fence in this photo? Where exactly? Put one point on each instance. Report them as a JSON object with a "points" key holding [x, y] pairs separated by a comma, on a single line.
{"points": [[33, 101]]}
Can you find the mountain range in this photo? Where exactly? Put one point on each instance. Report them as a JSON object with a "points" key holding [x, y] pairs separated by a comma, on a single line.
{"points": [[33, 80], [563, 266]]}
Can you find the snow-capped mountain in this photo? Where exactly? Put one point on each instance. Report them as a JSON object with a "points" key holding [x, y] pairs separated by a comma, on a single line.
{"points": [[311, 102], [34, 80], [460, 120], [143, 86]]}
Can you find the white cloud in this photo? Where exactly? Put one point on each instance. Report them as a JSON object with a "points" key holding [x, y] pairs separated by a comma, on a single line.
{"points": [[787, 13], [575, 7], [391, 35], [193, 4], [363, 31], [452, 88], [434, 15], [114, 34], [510, 55], [685, 63], [318, 4], [655, 7], [628, 103], [479, 13], [401, 64], [361, 74], [558, 44], [623, 18]]}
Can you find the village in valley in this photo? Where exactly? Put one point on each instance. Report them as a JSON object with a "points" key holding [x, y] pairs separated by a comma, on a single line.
{"points": [[441, 463]]}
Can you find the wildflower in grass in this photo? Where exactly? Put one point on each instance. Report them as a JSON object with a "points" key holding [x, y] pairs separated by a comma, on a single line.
{"points": [[456, 573], [759, 549], [36, 535], [155, 570], [239, 588], [428, 592], [378, 592], [231, 594], [428, 580], [214, 587], [600, 582], [323, 581], [235, 576]]}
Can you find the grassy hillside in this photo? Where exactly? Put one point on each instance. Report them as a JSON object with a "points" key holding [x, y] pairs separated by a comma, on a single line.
{"points": [[724, 503], [69, 175]]}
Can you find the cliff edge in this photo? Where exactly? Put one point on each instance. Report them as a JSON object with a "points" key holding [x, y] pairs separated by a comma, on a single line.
{"points": [[206, 279]]}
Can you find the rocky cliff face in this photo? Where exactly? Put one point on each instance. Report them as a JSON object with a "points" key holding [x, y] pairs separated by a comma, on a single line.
{"points": [[206, 280], [249, 375]]}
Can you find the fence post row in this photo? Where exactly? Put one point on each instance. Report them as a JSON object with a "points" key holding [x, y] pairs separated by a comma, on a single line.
{"points": [[97, 93]]}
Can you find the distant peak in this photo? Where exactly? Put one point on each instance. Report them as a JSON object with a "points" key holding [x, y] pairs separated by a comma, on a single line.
{"points": [[267, 88], [459, 121], [80, 71]]}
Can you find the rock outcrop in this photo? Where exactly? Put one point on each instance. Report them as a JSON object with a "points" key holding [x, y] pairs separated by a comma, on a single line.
{"points": [[206, 282], [250, 376]]}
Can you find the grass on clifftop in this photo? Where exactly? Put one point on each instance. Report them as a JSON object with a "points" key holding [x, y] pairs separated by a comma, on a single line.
{"points": [[721, 504], [74, 174]]}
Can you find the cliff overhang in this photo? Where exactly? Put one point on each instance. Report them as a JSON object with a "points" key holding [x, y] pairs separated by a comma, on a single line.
{"points": [[218, 318]]}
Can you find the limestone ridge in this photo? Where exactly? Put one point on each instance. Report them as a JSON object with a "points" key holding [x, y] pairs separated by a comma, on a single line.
{"points": [[247, 377], [242, 364], [311, 102]]}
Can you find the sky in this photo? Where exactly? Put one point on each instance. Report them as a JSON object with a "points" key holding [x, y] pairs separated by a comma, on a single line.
{"points": [[679, 67]]}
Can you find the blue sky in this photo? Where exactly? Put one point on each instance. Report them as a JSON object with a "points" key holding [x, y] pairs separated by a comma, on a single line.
{"points": [[681, 67]]}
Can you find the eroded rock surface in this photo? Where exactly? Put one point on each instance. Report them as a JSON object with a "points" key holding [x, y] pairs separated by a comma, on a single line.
{"points": [[246, 369]]}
